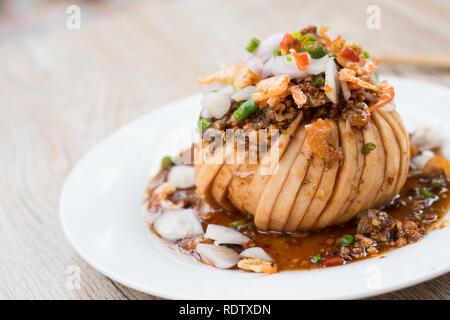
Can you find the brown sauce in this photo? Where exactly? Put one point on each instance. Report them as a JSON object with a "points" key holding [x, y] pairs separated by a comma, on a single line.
{"points": [[295, 251]]}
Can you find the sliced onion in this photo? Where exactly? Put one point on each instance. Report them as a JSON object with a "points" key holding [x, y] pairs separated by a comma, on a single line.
{"points": [[227, 90], [223, 234], [266, 47], [178, 224], [244, 94], [427, 138], [256, 253], [332, 81], [389, 107], [267, 70], [419, 161], [255, 64], [182, 176], [213, 86], [219, 256], [317, 65], [216, 104], [285, 65], [345, 90]]}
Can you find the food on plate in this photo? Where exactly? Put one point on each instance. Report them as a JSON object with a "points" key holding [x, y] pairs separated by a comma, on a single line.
{"points": [[302, 162]]}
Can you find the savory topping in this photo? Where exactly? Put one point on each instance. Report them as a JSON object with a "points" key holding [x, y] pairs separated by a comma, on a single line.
{"points": [[270, 88], [237, 223], [215, 104], [237, 75], [257, 265], [167, 162], [319, 136], [182, 176], [203, 124], [346, 240]]}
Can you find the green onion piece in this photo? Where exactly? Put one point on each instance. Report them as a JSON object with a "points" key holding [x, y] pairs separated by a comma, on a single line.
{"points": [[315, 50], [426, 193], [237, 223], [317, 258], [376, 75], [289, 59], [203, 124], [346, 240], [306, 36], [245, 110], [232, 246], [167, 162], [438, 182], [296, 34], [277, 52], [252, 45], [318, 81], [366, 54], [366, 148]]}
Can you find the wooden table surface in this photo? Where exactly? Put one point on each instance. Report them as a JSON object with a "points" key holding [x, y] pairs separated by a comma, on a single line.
{"points": [[62, 91]]}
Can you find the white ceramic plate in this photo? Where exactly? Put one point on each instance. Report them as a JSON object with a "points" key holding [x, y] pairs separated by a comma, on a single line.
{"points": [[102, 217]]}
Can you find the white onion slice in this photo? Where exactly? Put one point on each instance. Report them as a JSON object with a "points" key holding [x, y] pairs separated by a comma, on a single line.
{"points": [[266, 47], [255, 64], [244, 93], [182, 176], [426, 138], [389, 107], [317, 65], [345, 90], [227, 90], [267, 70], [213, 86], [419, 161], [332, 81], [256, 253], [219, 256], [216, 104], [178, 224], [285, 65], [223, 234]]}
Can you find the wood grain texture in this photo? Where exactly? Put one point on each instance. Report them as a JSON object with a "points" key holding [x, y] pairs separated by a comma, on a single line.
{"points": [[62, 91]]}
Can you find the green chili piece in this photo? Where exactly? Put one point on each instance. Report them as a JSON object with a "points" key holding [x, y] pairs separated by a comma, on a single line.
{"points": [[277, 52], [203, 124], [237, 223], [318, 81], [366, 148], [317, 258], [245, 110], [252, 45], [315, 50], [167, 162], [346, 240], [306, 36], [426, 193], [366, 54]]}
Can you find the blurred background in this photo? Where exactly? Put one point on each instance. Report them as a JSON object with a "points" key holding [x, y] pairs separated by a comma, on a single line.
{"points": [[72, 72]]}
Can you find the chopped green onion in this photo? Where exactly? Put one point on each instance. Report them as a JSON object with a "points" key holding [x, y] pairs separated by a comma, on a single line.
{"points": [[315, 50], [346, 240], [317, 258], [366, 54], [306, 36], [438, 182], [366, 148], [277, 52], [252, 45], [289, 59], [376, 75], [318, 81], [237, 223], [203, 124], [296, 34], [167, 162], [426, 193], [245, 110]]}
